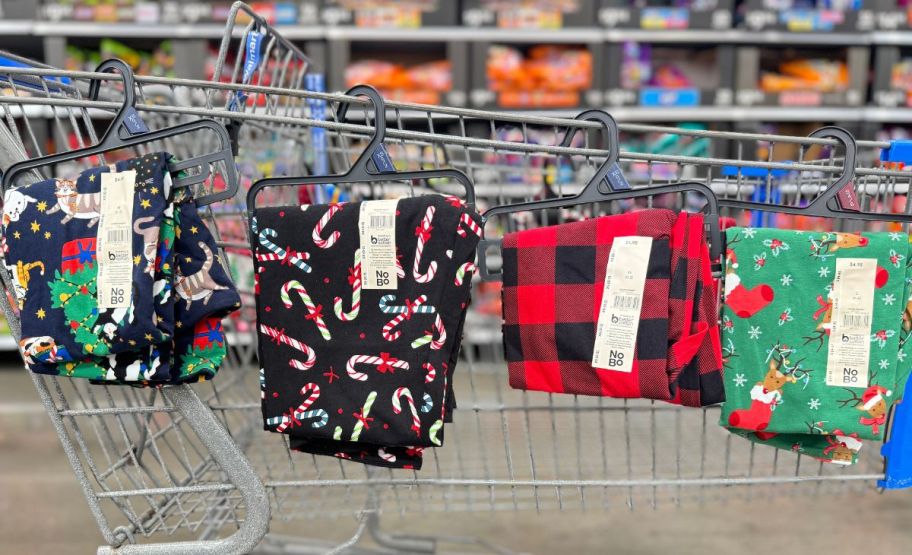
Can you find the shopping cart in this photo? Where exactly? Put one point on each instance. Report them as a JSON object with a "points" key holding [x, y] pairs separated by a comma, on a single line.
{"points": [[188, 469]]}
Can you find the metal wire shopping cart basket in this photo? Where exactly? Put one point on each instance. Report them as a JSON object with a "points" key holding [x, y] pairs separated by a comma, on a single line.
{"points": [[188, 468]]}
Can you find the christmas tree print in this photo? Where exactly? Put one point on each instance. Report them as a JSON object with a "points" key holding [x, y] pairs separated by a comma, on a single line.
{"points": [[75, 293]]}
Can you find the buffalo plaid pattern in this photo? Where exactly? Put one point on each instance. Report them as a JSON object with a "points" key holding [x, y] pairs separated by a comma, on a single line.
{"points": [[553, 284]]}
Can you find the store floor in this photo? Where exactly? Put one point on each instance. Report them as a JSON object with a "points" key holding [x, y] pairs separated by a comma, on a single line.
{"points": [[42, 510]]}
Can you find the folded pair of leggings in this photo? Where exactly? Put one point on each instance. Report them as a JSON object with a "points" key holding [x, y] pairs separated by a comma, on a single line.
{"points": [[553, 282], [50, 238], [354, 373], [778, 316]]}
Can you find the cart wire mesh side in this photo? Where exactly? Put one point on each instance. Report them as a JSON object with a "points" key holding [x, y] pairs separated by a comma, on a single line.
{"points": [[189, 469]]}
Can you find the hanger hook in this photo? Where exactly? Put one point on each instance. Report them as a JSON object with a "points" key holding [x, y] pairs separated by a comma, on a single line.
{"points": [[610, 132], [129, 100], [379, 106], [848, 168]]}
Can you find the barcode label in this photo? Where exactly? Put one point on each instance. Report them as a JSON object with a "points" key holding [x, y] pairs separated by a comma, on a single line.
{"points": [[619, 311], [115, 240], [849, 346], [856, 320], [117, 235], [627, 302], [382, 220], [377, 231]]}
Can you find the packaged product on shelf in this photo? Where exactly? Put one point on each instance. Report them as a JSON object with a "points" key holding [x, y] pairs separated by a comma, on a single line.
{"points": [[819, 75], [421, 83], [814, 336], [358, 346], [554, 308], [547, 77]]}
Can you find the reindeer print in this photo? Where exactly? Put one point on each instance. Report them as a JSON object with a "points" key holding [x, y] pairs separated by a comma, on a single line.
{"points": [[766, 394], [829, 243], [200, 284], [82, 206], [150, 240], [873, 402]]}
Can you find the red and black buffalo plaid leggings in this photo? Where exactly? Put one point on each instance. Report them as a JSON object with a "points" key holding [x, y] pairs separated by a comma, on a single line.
{"points": [[553, 281]]}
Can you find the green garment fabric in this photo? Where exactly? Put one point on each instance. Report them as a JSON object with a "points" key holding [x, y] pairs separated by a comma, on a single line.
{"points": [[776, 333]]}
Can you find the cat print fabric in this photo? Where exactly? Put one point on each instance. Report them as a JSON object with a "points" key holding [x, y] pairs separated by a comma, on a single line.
{"points": [[171, 331], [360, 374]]}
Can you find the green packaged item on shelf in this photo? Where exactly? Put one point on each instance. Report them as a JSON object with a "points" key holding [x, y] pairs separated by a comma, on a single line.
{"points": [[814, 337]]}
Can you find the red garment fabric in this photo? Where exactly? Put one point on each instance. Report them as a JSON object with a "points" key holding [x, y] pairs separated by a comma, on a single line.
{"points": [[553, 284]]}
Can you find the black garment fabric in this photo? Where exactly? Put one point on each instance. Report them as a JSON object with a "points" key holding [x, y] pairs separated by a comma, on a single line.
{"points": [[313, 389]]}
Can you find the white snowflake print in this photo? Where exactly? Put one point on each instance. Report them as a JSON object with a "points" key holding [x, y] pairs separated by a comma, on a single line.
{"points": [[740, 380], [754, 332], [814, 404], [759, 260], [776, 245], [786, 280], [823, 272], [889, 299], [896, 258], [884, 363], [881, 337], [901, 356], [786, 316], [750, 232], [895, 236]]}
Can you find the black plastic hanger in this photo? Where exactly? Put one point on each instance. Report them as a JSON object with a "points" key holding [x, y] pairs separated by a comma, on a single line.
{"points": [[112, 140], [828, 204], [360, 171], [597, 190]]}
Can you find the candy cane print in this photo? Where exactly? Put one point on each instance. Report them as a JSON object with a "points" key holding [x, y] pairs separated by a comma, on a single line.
{"points": [[397, 407], [461, 272], [321, 223], [384, 363], [314, 312], [381, 452], [428, 336], [279, 254], [423, 232], [337, 433], [363, 420], [434, 430], [263, 383], [354, 279], [407, 308], [431, 372], [278, 336], [465, 222], [293, 417], [400, 271], [427, 403]]}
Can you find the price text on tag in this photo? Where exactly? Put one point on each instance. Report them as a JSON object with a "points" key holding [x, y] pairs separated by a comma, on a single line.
{"points": [[849, 350], [622, 302], [115, 240], [377, 228]]}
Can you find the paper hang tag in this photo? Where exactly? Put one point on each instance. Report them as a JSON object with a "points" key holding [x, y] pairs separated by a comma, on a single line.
{"points": [[377, 228], [849, 349], [622, 302], [115, 240]]}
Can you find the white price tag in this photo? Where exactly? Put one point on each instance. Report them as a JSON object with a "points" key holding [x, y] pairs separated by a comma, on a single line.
{"points": [[849, 350], [377, 227], [115, 240], [622, 302]]}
